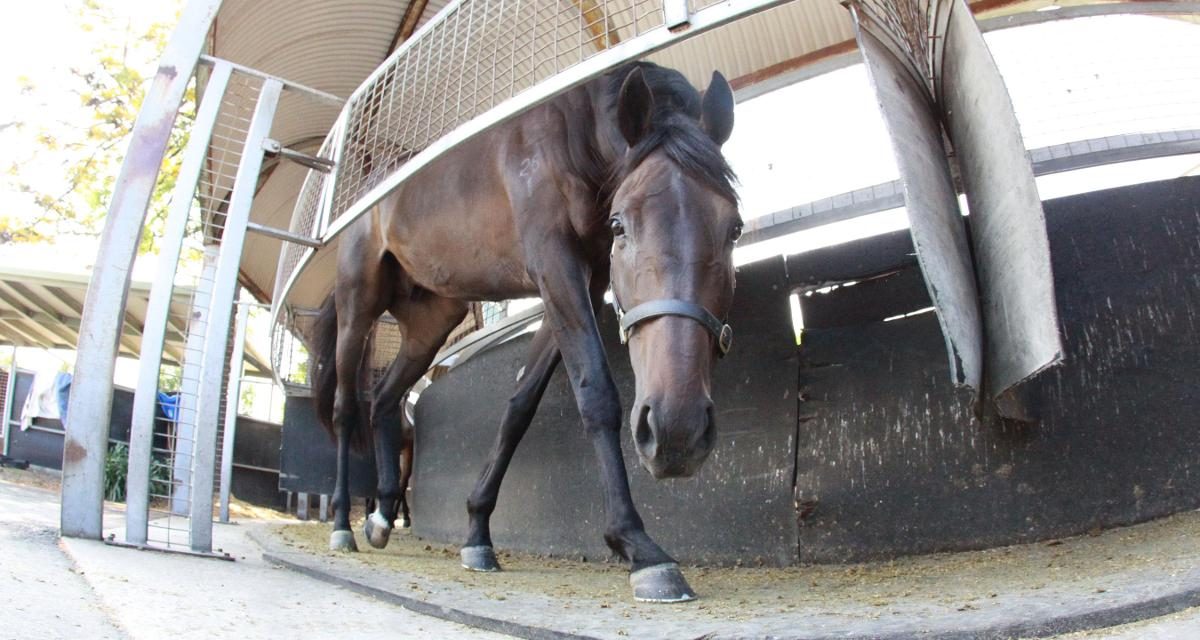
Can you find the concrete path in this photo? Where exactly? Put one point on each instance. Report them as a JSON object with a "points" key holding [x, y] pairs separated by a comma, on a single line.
{"points": [[87, 589], [39, 586]]}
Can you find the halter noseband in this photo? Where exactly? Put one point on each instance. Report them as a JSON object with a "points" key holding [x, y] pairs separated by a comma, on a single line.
{"points": [[672, 307]]}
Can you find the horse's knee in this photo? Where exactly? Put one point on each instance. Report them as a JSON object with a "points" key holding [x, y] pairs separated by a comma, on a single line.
{"points": [[601, 416], [344, 412]]}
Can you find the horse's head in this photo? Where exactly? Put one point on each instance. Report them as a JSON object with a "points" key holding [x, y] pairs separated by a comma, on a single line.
{"points": [[674, 219]]}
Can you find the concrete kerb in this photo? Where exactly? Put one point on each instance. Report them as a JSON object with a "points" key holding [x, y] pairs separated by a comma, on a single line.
{"points": [[420, 606], [1130, 596]]}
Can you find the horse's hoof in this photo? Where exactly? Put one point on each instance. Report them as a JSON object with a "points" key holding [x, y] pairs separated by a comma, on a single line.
{"points": [[661, 583], [377, 530], [479, 558], [404, 522], [342, 540]]}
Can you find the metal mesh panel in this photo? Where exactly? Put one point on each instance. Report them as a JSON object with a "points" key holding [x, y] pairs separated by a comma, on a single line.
{"points": [[477, 54], [305, 221], [905, 27], [175, 443], [290, 348]]}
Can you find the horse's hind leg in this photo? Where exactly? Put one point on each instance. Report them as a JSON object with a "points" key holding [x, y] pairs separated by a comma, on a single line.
{"points": [[353, 325], [406, 463], [426, 320]]}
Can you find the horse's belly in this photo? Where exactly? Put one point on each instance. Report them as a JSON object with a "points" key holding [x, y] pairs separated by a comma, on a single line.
{"points": [[468, 273], [501, 282]]}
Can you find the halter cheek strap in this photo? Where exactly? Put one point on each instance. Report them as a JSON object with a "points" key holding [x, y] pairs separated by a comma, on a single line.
{"points": [[670, 307]]}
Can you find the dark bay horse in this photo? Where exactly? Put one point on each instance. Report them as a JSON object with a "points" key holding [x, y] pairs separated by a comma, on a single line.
{"points": [[618, 182]]}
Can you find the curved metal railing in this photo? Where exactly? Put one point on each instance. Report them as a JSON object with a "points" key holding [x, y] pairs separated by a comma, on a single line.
{"points": [[480, 62], [474, 65]]}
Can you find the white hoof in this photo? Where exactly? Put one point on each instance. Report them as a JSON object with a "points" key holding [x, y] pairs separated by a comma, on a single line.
{"points": [[342, 541], [377, 530]]}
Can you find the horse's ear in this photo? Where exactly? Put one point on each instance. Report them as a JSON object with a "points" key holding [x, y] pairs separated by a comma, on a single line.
{"points": [[635, 107], [716, 117]]}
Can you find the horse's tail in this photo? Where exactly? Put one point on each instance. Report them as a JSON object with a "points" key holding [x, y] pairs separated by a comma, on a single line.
{"points": [[324, 352], [325, 380]]}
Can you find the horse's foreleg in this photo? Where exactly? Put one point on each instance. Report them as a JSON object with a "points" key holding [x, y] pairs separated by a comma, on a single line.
{"points": [[425, 325], [477, 553], [655, 576]]}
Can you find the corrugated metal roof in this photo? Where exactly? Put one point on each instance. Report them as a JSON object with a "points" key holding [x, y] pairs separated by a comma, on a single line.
{"points": [[43, 309]]}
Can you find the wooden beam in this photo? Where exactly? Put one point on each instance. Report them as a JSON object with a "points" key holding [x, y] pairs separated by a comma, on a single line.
{"points": [[47, 325], [598, 24], [408, 24], [76, 308], [793, 64], [16, 328], [252, 286], [131, 326]]}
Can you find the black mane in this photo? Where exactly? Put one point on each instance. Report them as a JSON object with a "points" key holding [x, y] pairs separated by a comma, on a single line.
{"points": [[675, 129]]}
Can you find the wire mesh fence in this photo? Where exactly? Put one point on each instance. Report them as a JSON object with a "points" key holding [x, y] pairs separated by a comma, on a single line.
{"points": [[479, 53], [172, 489], [905, 28], [475, 55]]}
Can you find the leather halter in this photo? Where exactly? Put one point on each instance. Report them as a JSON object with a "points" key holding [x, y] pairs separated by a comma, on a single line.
{"points": [[672, 307]]}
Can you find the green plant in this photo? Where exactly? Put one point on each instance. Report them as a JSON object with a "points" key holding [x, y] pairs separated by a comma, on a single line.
{"points": [[116, 470], [116, 467]]}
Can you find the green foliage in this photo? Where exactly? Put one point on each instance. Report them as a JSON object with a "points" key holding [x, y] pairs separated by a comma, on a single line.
{"points": [[170, 378], [116, 467], [91, 147], [246, 402]]}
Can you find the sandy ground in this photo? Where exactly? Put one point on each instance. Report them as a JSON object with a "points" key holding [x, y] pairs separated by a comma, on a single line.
{"points": [[923, 594], [959, 581]]}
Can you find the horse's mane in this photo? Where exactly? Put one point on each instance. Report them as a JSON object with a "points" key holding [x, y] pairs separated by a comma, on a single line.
{"points": [[674, 129]]}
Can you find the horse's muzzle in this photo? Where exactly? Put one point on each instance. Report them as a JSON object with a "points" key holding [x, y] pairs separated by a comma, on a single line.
{"points": [[673, 440]]}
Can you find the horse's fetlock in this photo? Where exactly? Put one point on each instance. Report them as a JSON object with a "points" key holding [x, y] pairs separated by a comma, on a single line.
{"points": [[480, 506]]}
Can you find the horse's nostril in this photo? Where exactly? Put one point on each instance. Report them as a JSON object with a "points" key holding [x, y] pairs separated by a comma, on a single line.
{"points": [[643, 435], [709, 437]]}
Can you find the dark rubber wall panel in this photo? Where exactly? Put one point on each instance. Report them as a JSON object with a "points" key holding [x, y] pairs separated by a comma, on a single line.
{"points": [[893, 461], [308, 455]]}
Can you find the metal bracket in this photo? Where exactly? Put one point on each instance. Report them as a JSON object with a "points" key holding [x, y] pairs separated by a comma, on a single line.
{"points": [[286, 236], [274, 148], [675, 15]]}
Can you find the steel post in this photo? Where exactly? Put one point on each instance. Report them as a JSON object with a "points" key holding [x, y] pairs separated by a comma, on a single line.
{"points": [[212, 369], [145, 399], [86, 442], [10, 390], [232, 396]]}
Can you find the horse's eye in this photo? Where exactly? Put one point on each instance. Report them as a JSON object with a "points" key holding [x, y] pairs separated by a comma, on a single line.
{"points": [[618, 228], [735, 233]]}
